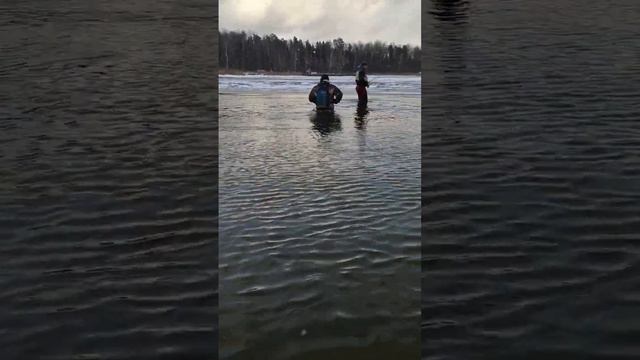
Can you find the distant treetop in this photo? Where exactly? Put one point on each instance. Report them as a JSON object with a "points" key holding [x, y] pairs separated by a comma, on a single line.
{"points": [[250, 52]]}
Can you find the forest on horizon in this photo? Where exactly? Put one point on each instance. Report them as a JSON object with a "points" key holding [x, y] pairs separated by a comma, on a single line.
{"points": [[247, 51]]}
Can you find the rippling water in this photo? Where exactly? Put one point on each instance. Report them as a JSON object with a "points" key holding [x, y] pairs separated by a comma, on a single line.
{"points": [[319, 223], [531, 143], [107, 180]]}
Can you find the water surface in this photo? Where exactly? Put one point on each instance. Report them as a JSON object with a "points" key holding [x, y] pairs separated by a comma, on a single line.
{"points": [[319, 221], [108, 180], [531, 178]]}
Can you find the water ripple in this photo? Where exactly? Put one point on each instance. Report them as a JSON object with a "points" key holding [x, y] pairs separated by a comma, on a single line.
{"points": [[108, 204], [319, 227], [530, 181]]}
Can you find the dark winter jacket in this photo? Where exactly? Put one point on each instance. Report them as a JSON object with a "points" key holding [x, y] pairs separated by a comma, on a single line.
{"points": [[361, 78], [334, 95]]}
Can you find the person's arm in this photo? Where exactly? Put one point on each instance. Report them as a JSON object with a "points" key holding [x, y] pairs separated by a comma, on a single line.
{"points": [[312, 95], [366, 80], [338, 95]]}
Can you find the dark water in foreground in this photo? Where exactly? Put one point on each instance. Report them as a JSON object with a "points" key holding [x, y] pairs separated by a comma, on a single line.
{"points": [[319, 226], [107, 180], [531, 175]]}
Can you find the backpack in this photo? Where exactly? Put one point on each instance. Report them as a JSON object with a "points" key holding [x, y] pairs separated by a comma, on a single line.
{"points": [[323, 98]]}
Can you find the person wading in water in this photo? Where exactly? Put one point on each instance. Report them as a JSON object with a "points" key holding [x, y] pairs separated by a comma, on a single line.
{"points": [[362, 83], [324, 95]]}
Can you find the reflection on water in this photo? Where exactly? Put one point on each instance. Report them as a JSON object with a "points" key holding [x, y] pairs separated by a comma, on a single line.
{"points": [[319, 240], [325, 122], [361, 118], [531, 180]]}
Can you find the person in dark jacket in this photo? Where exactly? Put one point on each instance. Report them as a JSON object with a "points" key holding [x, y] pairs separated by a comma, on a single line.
{"points": [[325, 95], [362, 83]]}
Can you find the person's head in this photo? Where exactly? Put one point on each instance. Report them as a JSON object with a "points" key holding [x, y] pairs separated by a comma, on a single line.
{"points": [[324, 78], [364, 66]]}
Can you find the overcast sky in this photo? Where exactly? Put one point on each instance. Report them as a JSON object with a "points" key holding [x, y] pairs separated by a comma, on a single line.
{"points": [[396, 21]]}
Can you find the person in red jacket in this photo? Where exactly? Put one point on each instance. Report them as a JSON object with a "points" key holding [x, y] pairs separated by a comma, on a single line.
{"points": [[325, 94], [362, 83]]}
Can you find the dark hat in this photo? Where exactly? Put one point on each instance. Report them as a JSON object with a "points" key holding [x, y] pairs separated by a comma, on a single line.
{"points": [[363, 63], [324, 77]]}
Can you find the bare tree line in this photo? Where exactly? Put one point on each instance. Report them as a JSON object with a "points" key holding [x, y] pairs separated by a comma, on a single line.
{"points": [[251, 52]]}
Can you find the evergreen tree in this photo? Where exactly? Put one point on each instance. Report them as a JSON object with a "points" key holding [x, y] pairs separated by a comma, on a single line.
{"points": [[251, 52]]}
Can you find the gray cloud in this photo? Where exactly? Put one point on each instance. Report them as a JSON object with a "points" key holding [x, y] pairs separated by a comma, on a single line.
{"points": [[396, 21]]}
